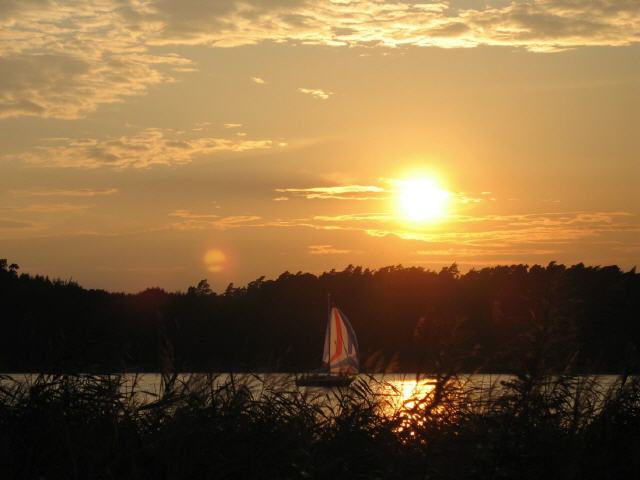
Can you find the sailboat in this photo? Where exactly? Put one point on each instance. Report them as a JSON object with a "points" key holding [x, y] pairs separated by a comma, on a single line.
{"points": [[340, 356]]}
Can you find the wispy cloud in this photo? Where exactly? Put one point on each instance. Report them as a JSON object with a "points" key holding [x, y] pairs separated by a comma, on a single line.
{"points": [[12, 227], [327, 250], [473, 253], [151, 146], [258, 80], [200, 126], [188, 220], [503, 236], [518, 229], [52, 208], [475, 236], [316, 93], [341, 192], [466, 198], [232, 125], [384, 190], [80, 192], [12, 224], [355, 218]]}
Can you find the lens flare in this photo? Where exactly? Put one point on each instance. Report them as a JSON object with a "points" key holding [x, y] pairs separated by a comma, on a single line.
{"points": [[214, 260]]}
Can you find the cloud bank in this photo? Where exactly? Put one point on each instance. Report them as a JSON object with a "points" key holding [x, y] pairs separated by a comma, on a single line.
{"points": [[63, 60], [538, 25]]}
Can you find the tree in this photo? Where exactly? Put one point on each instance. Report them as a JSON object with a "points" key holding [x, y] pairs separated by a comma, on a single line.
{"points": [[203, 288]]}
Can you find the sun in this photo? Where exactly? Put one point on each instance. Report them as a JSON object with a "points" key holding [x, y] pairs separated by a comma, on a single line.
{"points": [[421, 200]]}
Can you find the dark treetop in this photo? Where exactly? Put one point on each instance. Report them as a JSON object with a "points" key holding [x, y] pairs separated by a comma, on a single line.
{"points": [[407, 319]]}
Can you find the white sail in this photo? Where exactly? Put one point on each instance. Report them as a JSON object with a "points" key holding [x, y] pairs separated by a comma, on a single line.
{"points": [[340, 344]]}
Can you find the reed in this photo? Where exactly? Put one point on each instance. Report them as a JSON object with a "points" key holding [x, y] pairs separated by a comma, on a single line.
{"points": [[212, 426]]}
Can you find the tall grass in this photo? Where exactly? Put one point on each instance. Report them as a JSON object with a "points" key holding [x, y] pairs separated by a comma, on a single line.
{"points": [[208, 426]]}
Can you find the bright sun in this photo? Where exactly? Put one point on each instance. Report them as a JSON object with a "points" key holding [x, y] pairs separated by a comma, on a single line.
{"points": [[421, 200]]}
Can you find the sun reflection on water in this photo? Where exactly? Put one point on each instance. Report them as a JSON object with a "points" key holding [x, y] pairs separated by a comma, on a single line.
{"points": [[407, 400]]}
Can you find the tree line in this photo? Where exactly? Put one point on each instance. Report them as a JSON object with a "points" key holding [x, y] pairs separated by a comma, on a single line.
{"points": [[498, 319]]}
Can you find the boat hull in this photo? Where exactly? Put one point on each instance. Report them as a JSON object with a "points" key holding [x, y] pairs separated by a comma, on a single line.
{"points": [[324, 380]]}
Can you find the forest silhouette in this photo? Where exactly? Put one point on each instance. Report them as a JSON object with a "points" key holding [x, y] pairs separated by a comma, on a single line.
{"points": [[497, 319]]}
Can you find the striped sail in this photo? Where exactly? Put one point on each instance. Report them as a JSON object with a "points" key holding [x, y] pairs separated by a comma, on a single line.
{"points": [[340, 345]]}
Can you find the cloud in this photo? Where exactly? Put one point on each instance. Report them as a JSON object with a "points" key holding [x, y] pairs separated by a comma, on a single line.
{"points": [[343, 192], [488, 233], [51, 208], [471, 253], [10, 224], [151, 146], [189, 220], [19, 227], [200, 126], [465, 198], [476, 239], [327, 250], [232, 125], [152, 269], [537, 25], [521, 229], [316, 93], [374, 192], [356, 217], [82, 192], [258, 80], [65, 59]]}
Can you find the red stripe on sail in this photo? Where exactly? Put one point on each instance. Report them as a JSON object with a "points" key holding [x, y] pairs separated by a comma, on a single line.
{"points": [[339, 338]]}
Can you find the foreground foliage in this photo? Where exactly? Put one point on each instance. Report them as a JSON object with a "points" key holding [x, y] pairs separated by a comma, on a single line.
{"points": [[204, 426]]}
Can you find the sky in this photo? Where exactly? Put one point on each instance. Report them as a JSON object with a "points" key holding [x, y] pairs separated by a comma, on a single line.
{"points": [[157, 143]]}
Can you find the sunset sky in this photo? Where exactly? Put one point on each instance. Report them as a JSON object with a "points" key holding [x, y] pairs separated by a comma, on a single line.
{"points": [[157, 143]]}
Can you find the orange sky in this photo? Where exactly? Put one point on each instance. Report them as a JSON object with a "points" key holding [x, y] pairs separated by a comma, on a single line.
{"points": [[155, 144]]}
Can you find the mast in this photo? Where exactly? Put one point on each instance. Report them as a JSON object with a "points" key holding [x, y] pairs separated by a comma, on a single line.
{"points": [[326, 356]]}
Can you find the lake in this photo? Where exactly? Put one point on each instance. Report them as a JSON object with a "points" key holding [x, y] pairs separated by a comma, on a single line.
{"points": [[393, 391]]}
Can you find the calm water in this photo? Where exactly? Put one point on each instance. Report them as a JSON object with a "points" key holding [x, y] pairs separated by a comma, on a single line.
{"points": [[395, 390]]}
